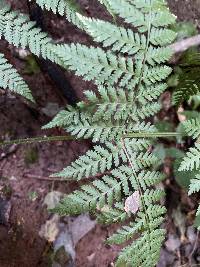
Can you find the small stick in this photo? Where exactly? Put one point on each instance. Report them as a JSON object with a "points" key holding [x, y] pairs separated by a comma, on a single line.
{"points": [[184, 44], [38, 177]]}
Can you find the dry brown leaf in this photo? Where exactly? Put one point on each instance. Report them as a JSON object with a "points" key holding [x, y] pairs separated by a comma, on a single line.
{"points": [[132, 203]]}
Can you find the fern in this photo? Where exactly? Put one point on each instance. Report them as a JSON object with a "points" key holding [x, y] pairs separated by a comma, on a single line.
{"points": [[9, 78], [188, 85], [69, 8], [192, 127], [129, 74], [192, 158]]}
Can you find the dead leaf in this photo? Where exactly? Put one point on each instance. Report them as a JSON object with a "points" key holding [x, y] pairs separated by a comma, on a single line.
{"points": [[132, 203], [50, 229], [181, 117], [52, 199]]}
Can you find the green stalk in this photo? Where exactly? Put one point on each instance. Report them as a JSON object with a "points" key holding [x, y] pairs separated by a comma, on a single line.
{"points": [[153, 135], [41, 139]]}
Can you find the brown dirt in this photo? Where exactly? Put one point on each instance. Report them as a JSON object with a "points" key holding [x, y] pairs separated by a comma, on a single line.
{"points": [[20, 244]]}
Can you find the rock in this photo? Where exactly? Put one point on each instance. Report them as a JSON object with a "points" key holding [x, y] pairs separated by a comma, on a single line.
{"points": [[166, 258], [5, 208], [62, 258], [51, 109], [191, 235], [64, 239], [69, 235], [173, 243], [80, 227]]}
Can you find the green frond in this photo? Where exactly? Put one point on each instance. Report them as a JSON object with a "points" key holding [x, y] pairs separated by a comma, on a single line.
{"points": [[161, 37], [18, 30], [139, 15], [149, 93], [158, 55], [192, 159], [95, 161], [97, 65], [117, 104], [110, 215], [149, 178], [9, 78], [111, 103], [68, 8], [128, 72], [127, 232], [63, 118], [194, 185], [118, 38], [192, 127], [152, 196], [189, 85], [143, 252], [156, 74], [94, 196]]}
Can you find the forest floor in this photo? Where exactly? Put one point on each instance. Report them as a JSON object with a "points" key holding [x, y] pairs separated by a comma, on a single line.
{"points": [[25, 170]]}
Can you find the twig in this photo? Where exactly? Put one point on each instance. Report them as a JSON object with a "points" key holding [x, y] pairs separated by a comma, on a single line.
{"points": [[40, 139], [38, 177], [184, 44]]}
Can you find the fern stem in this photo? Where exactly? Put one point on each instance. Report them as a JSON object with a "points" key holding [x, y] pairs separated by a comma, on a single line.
{"points": [[41, 139], [139, 187], [153, 134]]}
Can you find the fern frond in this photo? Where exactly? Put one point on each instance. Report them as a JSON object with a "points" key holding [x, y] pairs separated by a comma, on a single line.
{"points": [[158, 55], [145, 251], [101, 159], [192, 159], [192, 127], [117, 104], [194, 185], [161, 37], [97, 65], [69, 8], [118, 38], [136, 14], [95, 161], [128, 75], [114, 214], [147, 94], [128, 232], [189, 85], [90, 197], [156, 74], [9, 78]]}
